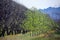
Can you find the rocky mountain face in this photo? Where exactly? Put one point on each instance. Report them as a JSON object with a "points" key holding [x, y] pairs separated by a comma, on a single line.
{"points": [[11, 15]]}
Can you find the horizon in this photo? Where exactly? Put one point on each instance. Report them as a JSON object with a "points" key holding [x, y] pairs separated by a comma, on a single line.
{"points": [[39, 4]]}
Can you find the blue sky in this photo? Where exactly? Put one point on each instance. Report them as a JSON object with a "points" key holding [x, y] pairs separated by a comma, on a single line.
{"points": [[39, 4]]}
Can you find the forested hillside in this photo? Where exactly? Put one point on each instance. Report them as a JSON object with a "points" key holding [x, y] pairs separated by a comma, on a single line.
{"points": [[20, 23], [36, 20], [11, 17]]}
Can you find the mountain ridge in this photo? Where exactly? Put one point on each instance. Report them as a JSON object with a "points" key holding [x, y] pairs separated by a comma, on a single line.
{"points": [[54, 13]]}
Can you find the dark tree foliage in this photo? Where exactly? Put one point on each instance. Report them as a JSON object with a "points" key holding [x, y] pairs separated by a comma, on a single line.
{"points": [[11, 17]]}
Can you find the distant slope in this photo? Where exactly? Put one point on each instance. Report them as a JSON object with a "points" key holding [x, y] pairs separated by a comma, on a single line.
{"points": [[54, 13]]}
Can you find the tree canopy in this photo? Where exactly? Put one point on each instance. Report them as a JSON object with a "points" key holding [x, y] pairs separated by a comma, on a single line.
{"points": [[36, 20]]}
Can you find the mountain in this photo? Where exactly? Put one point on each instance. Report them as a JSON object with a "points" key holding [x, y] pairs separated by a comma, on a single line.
{"points": [[54, 13]]}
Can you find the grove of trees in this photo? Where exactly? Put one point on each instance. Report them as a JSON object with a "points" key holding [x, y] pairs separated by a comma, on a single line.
{"points": [[38, 21]]}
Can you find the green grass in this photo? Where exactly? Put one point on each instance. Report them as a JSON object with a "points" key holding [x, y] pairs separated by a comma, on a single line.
{"points": [[28, 36]]}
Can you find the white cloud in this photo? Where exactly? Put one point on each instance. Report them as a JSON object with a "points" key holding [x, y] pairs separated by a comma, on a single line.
{"points": [[39, 3]]}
